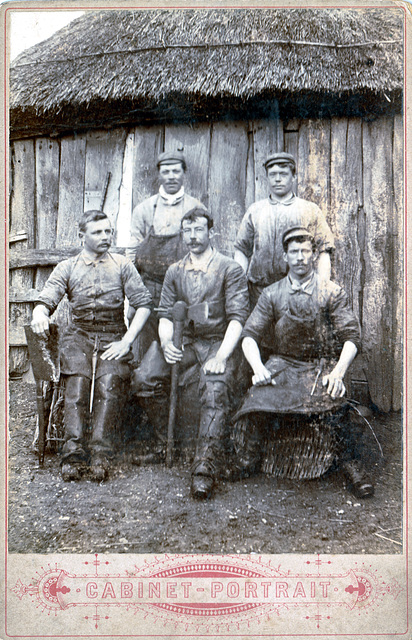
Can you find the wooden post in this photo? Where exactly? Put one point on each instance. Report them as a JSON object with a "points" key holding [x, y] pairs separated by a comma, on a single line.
{"points": [[71, 190], [104, 153], [47, 199], [195, 141], [22, 215], [398, 271], [314, 162], [227, 181], [346, 201], [378, 257], [148, 143], [267, 138]]}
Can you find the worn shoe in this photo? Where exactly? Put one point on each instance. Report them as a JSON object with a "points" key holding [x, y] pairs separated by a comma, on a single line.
{"points": [[201, 488], [359, 482], [71, 471], [99, 469]]}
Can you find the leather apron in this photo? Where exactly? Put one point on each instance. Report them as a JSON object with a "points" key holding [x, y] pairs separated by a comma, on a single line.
{"points": [[156, 253], [154, 256], [300, 344]]}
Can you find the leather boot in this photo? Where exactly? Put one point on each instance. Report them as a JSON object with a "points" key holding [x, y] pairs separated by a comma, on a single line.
{"points": [[157, 410], [209, 448], [76, 402], [107, 404]]}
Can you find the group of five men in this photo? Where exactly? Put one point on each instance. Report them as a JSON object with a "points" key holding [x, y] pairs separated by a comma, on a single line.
{"points": [[299, 317]]}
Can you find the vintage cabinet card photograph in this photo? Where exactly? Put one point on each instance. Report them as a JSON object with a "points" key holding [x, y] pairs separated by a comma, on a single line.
{"points": [[205, 319]]}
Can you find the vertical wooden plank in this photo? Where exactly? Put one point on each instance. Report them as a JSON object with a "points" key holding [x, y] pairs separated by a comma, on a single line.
{"points": [[377, 292], [250, 194], [22, 216], [345, 204], [71, 190], [195, 141], [398, 270], [47, 199], [227, 183], [266, 137], [126, 192], [291, 144], [148, 143], [104, 153], [314, 160]]}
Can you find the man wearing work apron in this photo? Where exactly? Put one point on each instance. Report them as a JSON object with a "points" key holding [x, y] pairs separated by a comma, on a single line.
{"points": [[316, 338], [155, 238], [258, 246]]}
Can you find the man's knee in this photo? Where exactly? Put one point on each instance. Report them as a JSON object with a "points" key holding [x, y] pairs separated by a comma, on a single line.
{"points": [[111, 385], [215, 394], [76, 389], [151, 374]]}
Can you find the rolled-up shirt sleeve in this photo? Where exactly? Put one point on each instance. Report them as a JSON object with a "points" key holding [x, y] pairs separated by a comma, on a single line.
{"points": [[134, 289], [245, 236], [260, 320], [323, 234], [55, 287], [236, 295], [137, 232], [168, 296], [345, 323]]}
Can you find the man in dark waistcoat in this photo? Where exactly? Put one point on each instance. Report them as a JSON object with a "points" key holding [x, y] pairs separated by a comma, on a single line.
{"points": [[203, 275], [155, 238], [95, 347], [316, 338]]}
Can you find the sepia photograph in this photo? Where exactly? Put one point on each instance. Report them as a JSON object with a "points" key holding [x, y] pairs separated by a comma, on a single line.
{"points": [[206, 307]]}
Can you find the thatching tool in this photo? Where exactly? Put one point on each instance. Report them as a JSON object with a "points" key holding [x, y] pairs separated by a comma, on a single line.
{"points": [[44, 358], [104, 192], [319, 370], [180, 312], [94, 365]]}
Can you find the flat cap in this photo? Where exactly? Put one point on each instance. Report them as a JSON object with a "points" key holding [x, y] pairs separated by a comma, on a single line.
{"points": [[296, 232], [279, 158], [171, 157]]}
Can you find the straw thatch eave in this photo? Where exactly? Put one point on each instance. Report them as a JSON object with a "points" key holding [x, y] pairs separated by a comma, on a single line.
{"points": [[143, 58]]}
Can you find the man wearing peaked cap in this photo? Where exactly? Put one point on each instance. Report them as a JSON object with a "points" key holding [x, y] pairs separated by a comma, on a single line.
{"points": [[258, 246], [155, 238], [276, 158], [316, 337]]}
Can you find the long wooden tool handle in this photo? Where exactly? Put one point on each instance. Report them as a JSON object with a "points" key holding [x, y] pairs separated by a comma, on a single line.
{"points": [[42, 420], [104, 192], [177, 341]]}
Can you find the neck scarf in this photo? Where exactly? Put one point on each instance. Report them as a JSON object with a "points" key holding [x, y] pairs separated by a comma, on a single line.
{"points": [[171, 198]]}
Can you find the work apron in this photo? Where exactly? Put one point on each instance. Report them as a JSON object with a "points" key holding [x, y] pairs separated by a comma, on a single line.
{"points": [[295, 390], [154, 256]]}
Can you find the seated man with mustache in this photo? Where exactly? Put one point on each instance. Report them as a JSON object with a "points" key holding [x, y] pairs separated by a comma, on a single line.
{"points": [[203, 275], [96, 283]]}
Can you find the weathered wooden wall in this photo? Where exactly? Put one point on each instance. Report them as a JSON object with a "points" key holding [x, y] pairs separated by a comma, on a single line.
{"points": [[352, 169]]}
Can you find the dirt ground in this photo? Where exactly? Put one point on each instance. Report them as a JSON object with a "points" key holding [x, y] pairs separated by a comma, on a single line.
{"points": [[149, 509]]}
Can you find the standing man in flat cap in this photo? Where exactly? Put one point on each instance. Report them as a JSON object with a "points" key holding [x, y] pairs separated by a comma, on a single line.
{"points": [[156, 241], [258, 246]]}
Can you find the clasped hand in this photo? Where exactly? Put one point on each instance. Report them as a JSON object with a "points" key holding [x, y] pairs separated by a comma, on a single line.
{"points": [[215, 365], [40, 325], [262, 376], [171, 353]]}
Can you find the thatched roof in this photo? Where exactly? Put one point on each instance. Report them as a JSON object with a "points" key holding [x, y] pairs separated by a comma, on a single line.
{"points": [[147, 61]]}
